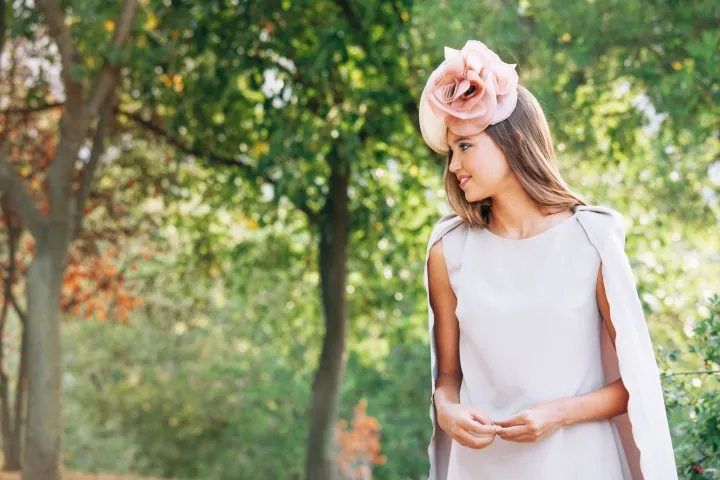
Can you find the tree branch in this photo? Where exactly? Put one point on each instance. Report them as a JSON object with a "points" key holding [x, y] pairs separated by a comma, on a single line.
{"points": [[109, 74], [698, 372], [69, 54], [26, 110], [78, 115], [211, 157], [22, 314], [13, 233], [3, 27], [21, 200], [88, 173], [352, 19], [180, 145], [8, 280]]}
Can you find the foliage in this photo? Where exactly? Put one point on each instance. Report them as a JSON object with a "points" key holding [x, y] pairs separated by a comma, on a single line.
{"points": [[693, 399], [93, 282], [211, 374], [359, 445], [69, 475], [211, 389]]}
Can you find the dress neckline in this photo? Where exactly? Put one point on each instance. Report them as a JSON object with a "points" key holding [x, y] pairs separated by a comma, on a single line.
{"points": [[537, 236]]}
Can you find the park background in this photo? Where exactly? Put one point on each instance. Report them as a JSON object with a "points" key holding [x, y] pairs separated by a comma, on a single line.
{"points": [[214, 218]]}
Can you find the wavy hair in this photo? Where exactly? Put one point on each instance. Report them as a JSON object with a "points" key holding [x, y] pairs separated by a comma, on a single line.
{"points": [[525, 140]]}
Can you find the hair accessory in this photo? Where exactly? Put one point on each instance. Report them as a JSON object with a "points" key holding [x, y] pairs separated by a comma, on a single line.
{"points": [[470, 90]]}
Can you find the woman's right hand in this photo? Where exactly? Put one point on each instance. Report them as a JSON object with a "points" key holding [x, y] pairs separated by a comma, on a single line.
{"points": [[467, 425]]}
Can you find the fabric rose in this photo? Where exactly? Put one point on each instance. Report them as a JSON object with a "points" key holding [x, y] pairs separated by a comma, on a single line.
{"points": [[504, 75], [472, 89]]}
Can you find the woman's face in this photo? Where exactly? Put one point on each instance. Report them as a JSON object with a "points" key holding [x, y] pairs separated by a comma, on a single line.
{"points": [[480, 159]]}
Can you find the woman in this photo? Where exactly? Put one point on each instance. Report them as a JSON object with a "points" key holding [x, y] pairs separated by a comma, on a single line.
{"points": [[542, 365]]}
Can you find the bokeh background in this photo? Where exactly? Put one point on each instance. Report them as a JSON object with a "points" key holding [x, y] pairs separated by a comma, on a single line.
{"points": [[215, 215]]}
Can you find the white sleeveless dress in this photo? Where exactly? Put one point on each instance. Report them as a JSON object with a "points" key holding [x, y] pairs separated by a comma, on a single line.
{"points": [[530, 332]]}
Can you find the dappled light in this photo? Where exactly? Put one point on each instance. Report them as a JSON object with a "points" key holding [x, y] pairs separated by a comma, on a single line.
{"points": [[214, 218]]}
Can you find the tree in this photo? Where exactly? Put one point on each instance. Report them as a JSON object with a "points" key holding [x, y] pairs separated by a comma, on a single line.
{"points": [[311, 105], [89, 98], [308, 100], [93, 285]]}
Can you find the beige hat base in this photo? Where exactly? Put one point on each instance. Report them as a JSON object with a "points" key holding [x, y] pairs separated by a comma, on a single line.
{"points": [[434, 129]]}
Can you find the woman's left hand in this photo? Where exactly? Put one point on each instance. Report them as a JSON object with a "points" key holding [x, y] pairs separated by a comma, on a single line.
{"points": [[532, 424]]}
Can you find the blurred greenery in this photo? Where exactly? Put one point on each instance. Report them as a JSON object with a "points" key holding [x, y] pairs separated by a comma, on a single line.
{"points": [[230, 115]]}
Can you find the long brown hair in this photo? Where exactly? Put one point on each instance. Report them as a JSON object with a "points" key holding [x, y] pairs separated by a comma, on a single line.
{"points": [[525, 140]]}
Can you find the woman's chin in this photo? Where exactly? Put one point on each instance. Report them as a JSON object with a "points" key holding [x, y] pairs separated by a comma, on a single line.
{"points": [[471, 196]]}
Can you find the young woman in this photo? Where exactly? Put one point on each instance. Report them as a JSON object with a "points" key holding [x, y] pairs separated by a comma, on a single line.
{"points": [[542, 364]]}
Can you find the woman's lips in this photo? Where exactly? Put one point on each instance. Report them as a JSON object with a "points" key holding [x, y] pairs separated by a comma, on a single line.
{"points": [[463, 181]]}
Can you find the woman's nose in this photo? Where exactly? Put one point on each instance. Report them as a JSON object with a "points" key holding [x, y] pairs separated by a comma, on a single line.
{"points": [[455, 165]]}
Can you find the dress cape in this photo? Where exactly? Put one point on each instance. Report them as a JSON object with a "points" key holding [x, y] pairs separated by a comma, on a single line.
{"points": [[643, 430]]}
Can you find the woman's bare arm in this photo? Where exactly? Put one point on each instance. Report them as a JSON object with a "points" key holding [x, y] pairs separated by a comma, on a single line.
{"points": [[466, 424], [443, 303]]}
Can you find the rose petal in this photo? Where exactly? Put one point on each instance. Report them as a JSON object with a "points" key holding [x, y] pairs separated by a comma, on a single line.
{"points": [[455, 66], [462, 88], [491, 59], [506, 103], [474, 76], [471, 110], [445, 93], [472, 103], [481, 114], [467, 127], [440, 96], [451, 53], [473, 62], [448, 73], [503, 77], [440, 109]]}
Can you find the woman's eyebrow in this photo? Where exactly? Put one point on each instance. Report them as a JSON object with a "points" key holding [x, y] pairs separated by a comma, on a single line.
{"points": [[461, 139]]}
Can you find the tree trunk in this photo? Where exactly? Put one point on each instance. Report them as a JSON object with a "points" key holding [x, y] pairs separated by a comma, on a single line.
{"points": [[16, 439], [333, 252], [11, 444], [10, 438], [10, 453], [42, 442]]}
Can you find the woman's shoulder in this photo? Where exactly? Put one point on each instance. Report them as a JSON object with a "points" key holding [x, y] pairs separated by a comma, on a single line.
{"points": [[452, 230], [446, 224], [602, 221]]}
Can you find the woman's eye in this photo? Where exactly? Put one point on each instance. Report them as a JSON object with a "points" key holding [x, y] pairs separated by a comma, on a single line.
{"points": [[463, 145]]}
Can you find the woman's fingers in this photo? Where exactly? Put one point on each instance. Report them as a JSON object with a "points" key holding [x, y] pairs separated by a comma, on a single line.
{"points": [[526, 438], [473, 434], [481, 417], [512, 432], [478, 428], [470, 440], [518, 419]]}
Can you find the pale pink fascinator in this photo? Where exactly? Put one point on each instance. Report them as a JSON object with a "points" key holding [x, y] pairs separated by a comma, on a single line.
{"points": [[472, 89]]}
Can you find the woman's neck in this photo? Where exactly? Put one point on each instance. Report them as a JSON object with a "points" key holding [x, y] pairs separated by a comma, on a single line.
{"points": [[519, 216]]}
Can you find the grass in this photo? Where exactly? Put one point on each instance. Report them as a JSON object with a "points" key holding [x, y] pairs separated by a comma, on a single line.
{"points": [[77, 476]]}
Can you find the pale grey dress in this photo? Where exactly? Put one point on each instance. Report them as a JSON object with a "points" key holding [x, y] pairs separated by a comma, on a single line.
{"points": [[530, 332]]}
